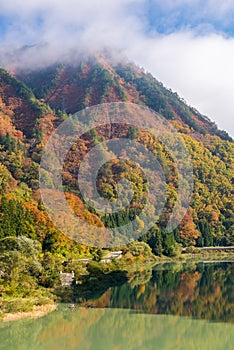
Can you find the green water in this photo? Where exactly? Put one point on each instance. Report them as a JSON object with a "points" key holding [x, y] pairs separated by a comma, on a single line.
{"points": [[174, 307]]}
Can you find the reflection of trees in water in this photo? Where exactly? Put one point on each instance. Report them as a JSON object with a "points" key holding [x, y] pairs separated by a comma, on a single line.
{"points": [[106, 329], [201, 291], [19, 335], [140, 278]]}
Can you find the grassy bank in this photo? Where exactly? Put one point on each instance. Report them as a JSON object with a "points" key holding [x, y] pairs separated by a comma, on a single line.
{"points": [[17, 308], [37, 311]]}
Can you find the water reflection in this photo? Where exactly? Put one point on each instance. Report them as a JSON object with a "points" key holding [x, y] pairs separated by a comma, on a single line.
{"points": [[136, 315], [109, 329], [203, 291]]}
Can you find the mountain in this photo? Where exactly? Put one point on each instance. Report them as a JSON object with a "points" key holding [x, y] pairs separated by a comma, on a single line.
{"points": [[33, 102], [95, 80]]}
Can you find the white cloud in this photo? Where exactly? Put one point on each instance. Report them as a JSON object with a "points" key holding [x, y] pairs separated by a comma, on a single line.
{"points": [[199, 68], [58, 20]]}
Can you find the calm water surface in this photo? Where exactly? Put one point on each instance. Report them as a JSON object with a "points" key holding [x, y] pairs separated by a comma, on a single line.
{"points": [[170, 307]]}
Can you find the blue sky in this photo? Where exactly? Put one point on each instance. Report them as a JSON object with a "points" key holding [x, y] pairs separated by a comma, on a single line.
{"points": [[200, 16], [164, 17], [187, 44]]}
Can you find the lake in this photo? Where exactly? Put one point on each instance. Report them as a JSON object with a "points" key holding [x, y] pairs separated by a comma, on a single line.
{"points": [[172, 306]]}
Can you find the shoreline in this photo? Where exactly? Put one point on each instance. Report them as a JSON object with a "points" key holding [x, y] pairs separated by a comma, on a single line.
{"points": [[204, 257], [37, 312]]}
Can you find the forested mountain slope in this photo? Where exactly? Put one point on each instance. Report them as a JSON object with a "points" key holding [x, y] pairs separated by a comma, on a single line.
{"points": [[34, 102]]}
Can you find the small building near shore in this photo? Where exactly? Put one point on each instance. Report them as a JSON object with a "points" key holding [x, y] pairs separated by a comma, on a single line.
{"points": [[67, 279]]}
